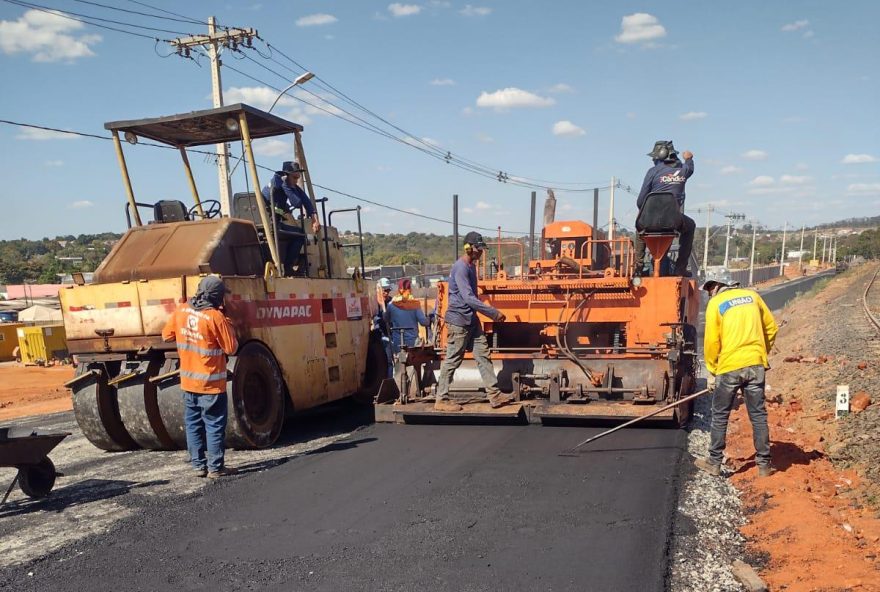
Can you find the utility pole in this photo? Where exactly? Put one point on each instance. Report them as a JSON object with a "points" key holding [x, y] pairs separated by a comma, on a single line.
{"points": [[213, 42], [801, 250], [824, 243], [815, 240], [730, 219], [782, 256], [611, 214], [752, 264], [708, 211]]}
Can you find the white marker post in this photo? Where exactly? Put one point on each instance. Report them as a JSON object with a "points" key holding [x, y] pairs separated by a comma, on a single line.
{"points": [[842, 400]]}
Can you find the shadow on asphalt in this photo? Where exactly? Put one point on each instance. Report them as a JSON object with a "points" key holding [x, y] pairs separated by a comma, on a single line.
{"points": [[275, 462], [83, 492], [331, 419]]}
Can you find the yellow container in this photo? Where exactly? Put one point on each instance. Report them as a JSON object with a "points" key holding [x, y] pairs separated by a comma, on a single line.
{"points": [[8, 340], [42, 344]]}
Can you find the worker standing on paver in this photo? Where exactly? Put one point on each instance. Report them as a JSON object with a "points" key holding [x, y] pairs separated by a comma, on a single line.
{"points": [[380, 326], [464, 329], [740, 332], [403, 315], [204, 338], [668, 175]]}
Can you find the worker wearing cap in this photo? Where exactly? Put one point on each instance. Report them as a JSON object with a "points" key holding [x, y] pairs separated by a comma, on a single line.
{"points": [[283, 195], [463, 328], [668, 175], [204, 338], [403, 315], [380, 325], [740, 332]]}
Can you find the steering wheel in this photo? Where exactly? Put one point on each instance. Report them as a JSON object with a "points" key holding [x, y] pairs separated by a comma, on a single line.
{"points": [[211, 207]]}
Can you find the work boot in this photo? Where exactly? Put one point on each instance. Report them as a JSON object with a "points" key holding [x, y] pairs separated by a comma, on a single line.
{"points": [[222, 472], [500, 400], [446, 405], [765, 470], [682, 273], [203, 472], [705, 465]]}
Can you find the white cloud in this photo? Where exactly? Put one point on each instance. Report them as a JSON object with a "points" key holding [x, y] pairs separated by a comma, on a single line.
{"points": [[398, 10], [794, 180], [560, 88], [762, 181], [420, 142], [273, 147], [414, 210], [431, 141], [864, 188], [442, 82], [262, 97], [469, 10], [808, 34], [567, 128], [32, 133], [467, 210], [754, 155], [640, 28], [314, 20], [858, 159], [481, 205], [730, 170], [802, 166], [467, 111], [54, 163], [485, 138], [512, 97], [78, 205], [692, 115], [46, 35], [795, 26]]}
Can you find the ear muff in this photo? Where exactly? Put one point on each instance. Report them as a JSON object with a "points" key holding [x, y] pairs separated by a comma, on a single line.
{"points": [[662, 152], [468, 247]]}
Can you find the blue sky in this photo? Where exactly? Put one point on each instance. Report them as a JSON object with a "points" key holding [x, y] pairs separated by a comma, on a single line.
{"points": [[778, 101]]}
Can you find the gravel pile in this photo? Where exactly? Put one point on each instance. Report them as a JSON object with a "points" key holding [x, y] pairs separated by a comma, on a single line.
{"points": [[707, 538]]}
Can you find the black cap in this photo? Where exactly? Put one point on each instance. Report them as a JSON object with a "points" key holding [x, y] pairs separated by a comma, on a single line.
{"points": [[290, 166], [474, 239]]}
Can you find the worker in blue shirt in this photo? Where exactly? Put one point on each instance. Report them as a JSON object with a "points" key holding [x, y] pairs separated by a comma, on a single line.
{"points": [[668, 175], [283, 195], [464, 330], [403, 315]]}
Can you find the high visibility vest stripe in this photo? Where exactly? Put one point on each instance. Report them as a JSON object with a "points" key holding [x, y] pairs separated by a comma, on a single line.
{"points": [[199, 350], [205, 377]]}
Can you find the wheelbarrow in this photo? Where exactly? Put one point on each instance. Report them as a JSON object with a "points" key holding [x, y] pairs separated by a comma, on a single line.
{"points": [[27, 450]]}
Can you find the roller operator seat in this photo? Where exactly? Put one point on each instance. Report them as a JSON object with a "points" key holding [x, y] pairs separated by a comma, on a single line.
{"points": [[657, 224]]}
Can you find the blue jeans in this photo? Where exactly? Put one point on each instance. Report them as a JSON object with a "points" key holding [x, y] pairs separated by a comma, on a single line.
{"points": [[205, 418], [751, 380]]}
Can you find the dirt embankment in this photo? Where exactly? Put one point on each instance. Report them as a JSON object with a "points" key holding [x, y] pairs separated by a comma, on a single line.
{"points": [[33, 390], [815, 525]]}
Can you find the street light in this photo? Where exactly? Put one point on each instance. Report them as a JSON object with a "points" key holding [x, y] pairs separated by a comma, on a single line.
{"points": [[301, 79]]}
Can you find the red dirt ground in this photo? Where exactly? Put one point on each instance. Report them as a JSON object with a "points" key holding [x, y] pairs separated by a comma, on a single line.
{"points": [[33, 390]]}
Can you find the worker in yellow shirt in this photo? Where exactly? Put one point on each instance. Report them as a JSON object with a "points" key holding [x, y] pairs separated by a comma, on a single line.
{"points": [[740, 332]]}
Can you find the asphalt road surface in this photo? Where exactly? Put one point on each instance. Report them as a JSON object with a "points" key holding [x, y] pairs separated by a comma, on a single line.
{"points": [[343, 504]]}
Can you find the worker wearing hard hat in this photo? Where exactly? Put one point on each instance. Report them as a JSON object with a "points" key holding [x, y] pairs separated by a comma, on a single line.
{"points": [[463, 328], [283, 195], [380, 326], [740, 332], [668, 175]]}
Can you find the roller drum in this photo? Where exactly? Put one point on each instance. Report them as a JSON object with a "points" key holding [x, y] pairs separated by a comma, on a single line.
{"points": [[169, 397], [96, 410], [139, 407]]}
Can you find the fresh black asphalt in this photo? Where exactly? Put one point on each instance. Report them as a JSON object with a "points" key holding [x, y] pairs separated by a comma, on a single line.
{"points": [[402, 507]]}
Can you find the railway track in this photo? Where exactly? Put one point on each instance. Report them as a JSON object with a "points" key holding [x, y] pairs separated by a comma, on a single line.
{"points": [[871, 300]]}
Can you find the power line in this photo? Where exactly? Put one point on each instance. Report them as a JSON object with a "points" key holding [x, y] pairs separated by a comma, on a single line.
{"points": [[265, 168], [94, 18], [446, 155], [156, 16], [192, 20], [81, 20]]}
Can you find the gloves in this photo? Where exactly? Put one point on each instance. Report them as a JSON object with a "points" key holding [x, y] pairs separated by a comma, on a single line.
{"points": [[710, 382]]}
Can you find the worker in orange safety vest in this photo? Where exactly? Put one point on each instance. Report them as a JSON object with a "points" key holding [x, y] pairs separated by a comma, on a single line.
{"points": [[204, 338]]}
